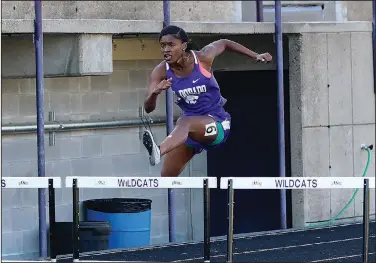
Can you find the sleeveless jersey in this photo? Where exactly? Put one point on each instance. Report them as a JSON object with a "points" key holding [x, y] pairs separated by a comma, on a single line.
{"points": [[199, 93]]}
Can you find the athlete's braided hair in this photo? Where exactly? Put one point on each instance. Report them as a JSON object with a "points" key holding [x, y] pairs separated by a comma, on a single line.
{"points": [[180, 34]]}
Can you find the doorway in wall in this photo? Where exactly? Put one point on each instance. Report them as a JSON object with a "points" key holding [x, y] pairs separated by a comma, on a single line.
{"points": [[251, 151]]}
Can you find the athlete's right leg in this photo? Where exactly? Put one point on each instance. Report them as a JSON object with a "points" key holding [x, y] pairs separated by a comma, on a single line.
{"points": [[175, 161]]}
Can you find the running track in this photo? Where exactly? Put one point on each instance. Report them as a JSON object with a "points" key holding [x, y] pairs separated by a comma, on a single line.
{"points": [[332, 244]]}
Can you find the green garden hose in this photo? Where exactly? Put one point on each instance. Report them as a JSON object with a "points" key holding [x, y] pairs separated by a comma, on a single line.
{"points": [[325, 223]]}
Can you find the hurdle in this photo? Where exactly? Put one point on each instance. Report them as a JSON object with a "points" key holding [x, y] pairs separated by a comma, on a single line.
{"points": [[297, 183], [205, 183], [35, 183]]}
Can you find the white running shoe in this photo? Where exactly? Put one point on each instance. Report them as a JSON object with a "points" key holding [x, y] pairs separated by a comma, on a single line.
{"points": [[152, 147]]}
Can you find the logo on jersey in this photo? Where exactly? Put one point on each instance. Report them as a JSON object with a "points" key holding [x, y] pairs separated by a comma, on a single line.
{"points": [[191, 95]]}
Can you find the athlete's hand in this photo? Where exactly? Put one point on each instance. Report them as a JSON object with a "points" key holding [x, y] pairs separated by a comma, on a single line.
{"points": [[265, 57], [163, 85]]}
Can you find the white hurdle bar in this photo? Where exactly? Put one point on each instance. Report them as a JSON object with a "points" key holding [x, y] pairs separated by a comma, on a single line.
{"points": [[29, 182], [204, 183], [297, 183], [35, 183]]}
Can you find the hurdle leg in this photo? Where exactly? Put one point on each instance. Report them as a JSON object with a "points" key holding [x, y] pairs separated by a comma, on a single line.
{"points": [[230, 237], [206, 221], [366, 215], [76, 226], [51, 211]]}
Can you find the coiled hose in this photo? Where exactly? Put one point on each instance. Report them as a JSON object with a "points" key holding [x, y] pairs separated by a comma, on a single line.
{"points": [[325, 223]]}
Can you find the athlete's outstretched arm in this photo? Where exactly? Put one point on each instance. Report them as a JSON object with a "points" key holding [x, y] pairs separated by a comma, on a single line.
{"points": [[157, 84], [216, 48]]}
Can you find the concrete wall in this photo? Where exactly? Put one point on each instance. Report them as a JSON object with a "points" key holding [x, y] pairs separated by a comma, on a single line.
{"points": [[117, 152], [225, 11], [78, 55], [355, 11], [123, 10], [332, 114]]}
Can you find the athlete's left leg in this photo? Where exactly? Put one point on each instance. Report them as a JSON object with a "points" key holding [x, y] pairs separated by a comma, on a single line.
{"points": [[175, 161]]}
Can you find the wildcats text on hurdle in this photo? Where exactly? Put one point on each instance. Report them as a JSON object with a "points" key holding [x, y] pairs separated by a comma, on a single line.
{"points": [[146, 183], [296, 183]]}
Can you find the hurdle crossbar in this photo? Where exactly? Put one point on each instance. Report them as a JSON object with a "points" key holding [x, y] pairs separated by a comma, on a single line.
{"points": [[36, 183], [141, 182], [297, 183], [29, 182], [204, 183]]}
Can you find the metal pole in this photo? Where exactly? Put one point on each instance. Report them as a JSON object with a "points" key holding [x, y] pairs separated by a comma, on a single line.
{"points": [[230, 233], [260, 10], [51, 210], [206, 221], [281, 110], [374, 53], [38, 43], [170, 127], [365, 220], [76, 222], [374, 43]]}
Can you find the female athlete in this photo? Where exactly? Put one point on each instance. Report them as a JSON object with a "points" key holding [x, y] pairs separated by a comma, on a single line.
{"points": [[204, 123]]}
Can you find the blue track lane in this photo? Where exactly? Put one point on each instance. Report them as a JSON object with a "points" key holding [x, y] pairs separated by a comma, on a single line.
{"points": [[335, 244]]}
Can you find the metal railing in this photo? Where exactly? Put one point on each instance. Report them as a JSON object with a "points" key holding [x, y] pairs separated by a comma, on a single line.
{"points": [[64, 126]]}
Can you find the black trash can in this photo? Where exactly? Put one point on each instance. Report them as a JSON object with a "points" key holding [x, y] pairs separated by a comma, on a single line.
{"points": [[94, 236]]}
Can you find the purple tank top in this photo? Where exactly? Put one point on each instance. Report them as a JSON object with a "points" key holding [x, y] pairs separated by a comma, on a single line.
{"points": [[198, 94]]}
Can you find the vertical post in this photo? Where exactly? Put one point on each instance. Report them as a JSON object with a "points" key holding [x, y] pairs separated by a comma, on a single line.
{"points": [[76, 224], [374, 52], [206, 221], [260, 10], [38, 44], [51, 210], [281, 109], [230, 233], [365, 219], [170, 127], [374, 43]]}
